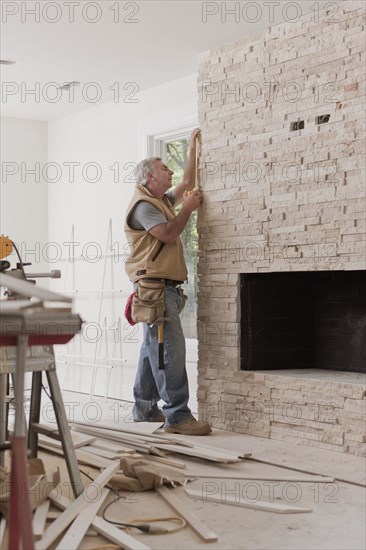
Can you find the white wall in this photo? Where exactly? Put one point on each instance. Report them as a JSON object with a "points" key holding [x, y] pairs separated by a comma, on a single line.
{"points": [[108, 134], [24, 201]]}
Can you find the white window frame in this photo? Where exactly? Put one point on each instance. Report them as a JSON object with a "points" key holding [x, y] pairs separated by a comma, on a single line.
{"points": [[153, 139]]}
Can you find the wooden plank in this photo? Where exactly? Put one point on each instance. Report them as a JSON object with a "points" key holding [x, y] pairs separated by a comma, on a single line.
{"points": [[167, 461], [92, 460], [342, 477], [122, 436], [83, 457], [108, 434], [77, 442], [138, 444], [183, 442], [117, 536], [142, 430], [102, 453], [182, 509], [112, 447], [207, 453], [2, 530], [91, 532], [104, 528], [235, 501], [51, 436], [78, 529], [40, 519], [298, 479], [213, 448], [53, 515], [89, 493], [134, 435], [200, 452], [47, 447]]}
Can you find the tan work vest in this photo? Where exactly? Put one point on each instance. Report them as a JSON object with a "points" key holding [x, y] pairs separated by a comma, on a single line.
{"points": [[149, 257]]}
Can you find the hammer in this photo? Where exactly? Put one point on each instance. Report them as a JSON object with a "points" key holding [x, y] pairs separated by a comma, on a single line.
{"points": [[161, 344], [160, 323]]}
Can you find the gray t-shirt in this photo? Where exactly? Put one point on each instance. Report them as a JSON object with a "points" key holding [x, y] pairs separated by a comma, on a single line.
{"points": [[146, 216]]}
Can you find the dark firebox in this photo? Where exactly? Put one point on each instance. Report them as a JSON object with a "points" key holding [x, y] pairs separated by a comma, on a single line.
{"points": [[301, 320]]}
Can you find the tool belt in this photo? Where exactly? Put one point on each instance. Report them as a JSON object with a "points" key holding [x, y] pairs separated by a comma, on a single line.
{"points": [[147, 304]]}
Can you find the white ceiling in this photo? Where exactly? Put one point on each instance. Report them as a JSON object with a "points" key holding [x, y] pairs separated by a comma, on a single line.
{"points": [[163, 44]]}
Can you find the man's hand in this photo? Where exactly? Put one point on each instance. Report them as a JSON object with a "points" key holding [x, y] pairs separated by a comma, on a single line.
{"points": [[170, 231], [193, 139], [192, 201]]}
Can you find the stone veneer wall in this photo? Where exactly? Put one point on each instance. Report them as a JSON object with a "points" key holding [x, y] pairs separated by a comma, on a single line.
{"points": [[280, 200]]}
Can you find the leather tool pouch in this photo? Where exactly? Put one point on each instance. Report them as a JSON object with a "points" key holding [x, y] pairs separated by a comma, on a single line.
{"points": [[148, 302]]}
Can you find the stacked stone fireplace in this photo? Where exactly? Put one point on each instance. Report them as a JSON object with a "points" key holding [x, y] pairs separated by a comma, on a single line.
{"points": [[282, 296]]}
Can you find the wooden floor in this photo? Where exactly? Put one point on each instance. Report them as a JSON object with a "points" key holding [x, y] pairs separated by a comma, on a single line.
{"points": [[338, 508]]}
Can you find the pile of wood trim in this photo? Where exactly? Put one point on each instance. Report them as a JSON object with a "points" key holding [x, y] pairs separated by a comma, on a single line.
{"points": [[109, 444], [103, 447]]}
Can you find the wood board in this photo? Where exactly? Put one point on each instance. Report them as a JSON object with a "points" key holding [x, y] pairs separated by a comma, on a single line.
{"points": [[157, 444], [40, 519], [183, 510], [234, 501], [75, 508], [80, 525], [277, 477], [83, 457], [104, 528]]}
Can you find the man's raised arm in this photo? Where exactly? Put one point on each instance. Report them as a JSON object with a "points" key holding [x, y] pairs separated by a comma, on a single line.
{"points": [[189, 176]]}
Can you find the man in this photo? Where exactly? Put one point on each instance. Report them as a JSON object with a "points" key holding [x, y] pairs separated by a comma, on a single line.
{"points": [[153, 229]]}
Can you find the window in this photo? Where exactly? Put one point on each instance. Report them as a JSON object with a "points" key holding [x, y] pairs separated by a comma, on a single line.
{"points": [[176, 154], [172, 146]]}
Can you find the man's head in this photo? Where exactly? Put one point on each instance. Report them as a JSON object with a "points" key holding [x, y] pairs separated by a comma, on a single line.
{"points": [[154, 175]]}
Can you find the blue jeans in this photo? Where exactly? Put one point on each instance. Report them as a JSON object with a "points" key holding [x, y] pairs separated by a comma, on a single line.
{"points": [[170, 384]]}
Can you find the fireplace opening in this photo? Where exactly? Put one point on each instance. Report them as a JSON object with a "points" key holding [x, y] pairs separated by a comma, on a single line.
{"points": [[301, 320]]}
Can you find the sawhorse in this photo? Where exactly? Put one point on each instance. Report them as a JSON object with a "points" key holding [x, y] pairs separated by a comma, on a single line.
{"points": [[41, 359], [27, 346]]}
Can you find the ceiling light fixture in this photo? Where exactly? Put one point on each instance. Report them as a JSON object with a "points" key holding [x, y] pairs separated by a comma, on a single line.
{"points": [[68, 85], [7, 62]]}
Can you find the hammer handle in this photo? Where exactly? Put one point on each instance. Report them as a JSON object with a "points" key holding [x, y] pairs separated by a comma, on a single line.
{"points": [[161, 345]]}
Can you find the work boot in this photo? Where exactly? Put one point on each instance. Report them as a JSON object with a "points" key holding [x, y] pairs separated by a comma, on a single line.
{"points": [[191, 426], [159, 418]]}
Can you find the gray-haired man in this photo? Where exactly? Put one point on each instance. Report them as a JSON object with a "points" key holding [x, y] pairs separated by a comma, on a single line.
{"points": [[153, 228]]}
